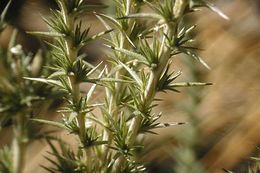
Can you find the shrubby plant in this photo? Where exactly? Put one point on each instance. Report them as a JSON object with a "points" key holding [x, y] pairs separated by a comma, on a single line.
{"points": [[18, 98], [140, 47]]}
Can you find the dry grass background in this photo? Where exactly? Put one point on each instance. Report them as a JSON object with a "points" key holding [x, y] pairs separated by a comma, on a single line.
{"points": [[232, 104], [229, 110]]}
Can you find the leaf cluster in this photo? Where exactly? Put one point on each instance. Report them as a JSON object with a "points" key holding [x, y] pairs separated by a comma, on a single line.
{"points": [[66, 160], [18, 95]]}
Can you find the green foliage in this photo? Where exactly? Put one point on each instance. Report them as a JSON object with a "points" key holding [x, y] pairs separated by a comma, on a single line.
{"points": [[16, 93], [5, 160], [138, 67], [18, 98], [65, 161]]}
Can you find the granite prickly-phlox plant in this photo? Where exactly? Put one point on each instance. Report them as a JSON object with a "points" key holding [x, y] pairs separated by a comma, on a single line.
{"points": [[140, 46]]}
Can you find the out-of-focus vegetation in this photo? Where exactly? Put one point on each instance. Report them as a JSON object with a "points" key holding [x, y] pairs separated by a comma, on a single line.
{"points": [[223, 129]]}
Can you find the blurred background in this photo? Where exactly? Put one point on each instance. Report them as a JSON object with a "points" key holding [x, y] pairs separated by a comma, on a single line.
{"points": [[223, 127]]}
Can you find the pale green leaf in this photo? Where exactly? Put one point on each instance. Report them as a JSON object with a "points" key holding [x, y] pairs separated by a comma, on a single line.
{"points": [[117, 25], [216, 10], [57, 74], [195, 56], [48, 122], [142, 15], [3, 14], [47, 81], [115, 80], [47, 34], [164, 125], [133, 74], [188, 84], [139, 57], [255, 159]]}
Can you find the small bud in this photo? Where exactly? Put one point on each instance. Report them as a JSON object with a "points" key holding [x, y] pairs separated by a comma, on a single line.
{"points": [[153, 66], [88, 124], [17, 50]]}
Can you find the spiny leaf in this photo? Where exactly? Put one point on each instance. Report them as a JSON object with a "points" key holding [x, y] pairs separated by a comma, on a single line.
{"points": [[98, 35], [142, 16], [108, 27], [47, 81], [140, 57], [163, 125], [133, 74], [57, 74], [47, 34], [187, 31], [255, 158], [52, 123], [189, 84], [93, 68], [2, 17], [93, 87], [117, 25], [115, 80], [195, 56], [216, 10]]}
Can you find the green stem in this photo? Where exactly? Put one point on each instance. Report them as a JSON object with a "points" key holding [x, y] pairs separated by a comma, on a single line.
{"points": [[19, 144], [114, 111], [150, 90], [19, 149], [72, 54], [114, 107], [156, 73]]}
